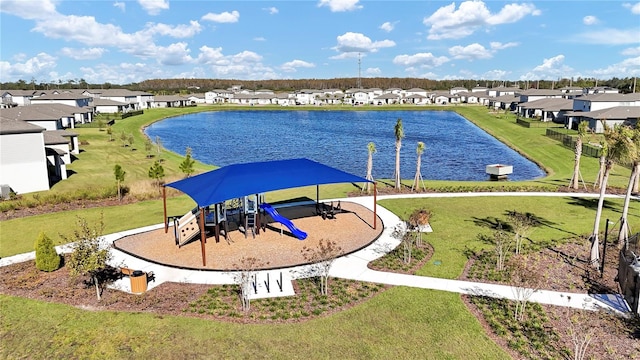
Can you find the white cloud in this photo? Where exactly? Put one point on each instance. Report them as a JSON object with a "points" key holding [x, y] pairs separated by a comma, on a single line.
{"points": [[628, 67], [495, 45], [154, 7], [174, 54], [120, 5], [550, 69], [511, 13], [175, 31], [340, 5], [32, 9], [123, 73], [635, 8], [590, 20], [96, 34], [225, 17], [84, 53], [470, 52], [245, 65], [292, 66], [373, 71], [37, 66], [272, 10], [387, 26], [631, 51], [610, 37], [496, 74], [355, 42], [93, 33], [449, 23], [259, 38], [420, 59]]}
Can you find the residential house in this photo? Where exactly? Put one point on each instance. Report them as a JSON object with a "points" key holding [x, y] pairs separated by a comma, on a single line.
{"points": [[108, 106], [137, 100], [457, 89], [66, 98], [386, 99], [47, 117], [11, 98], [546, 109], [605, 100], [537, 94], [610, 117], [23, 161], [504, 102], [168, 101], [501, 91], [196, 98]]}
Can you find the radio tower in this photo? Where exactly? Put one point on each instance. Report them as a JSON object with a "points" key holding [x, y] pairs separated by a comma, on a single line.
{"points": [[359, 84]]}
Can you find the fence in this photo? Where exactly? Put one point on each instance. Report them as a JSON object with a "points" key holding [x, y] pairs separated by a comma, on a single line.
{"points": [[535, 123], [132, 113], [629, 273], [569, 142]]}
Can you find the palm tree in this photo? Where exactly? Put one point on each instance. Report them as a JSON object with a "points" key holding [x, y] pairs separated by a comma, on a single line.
{"points": [[582, 131], [399, 133], [418, 177], [371, 147], [634, 157], [618, 144]]}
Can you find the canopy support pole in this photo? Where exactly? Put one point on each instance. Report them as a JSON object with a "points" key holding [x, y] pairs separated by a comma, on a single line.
{"points": [[317, 194], [202, 237], [215, 218], [164, 203], [375, 206]]}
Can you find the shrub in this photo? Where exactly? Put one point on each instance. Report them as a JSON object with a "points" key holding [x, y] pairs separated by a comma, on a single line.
{"points": [[47, 259]]}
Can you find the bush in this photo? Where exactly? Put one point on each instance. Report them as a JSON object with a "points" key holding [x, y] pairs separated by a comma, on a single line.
{"points": [[47, 258]]}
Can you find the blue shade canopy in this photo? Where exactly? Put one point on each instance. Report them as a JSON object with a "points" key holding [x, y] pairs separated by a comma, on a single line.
{"points": [[239, 180]]}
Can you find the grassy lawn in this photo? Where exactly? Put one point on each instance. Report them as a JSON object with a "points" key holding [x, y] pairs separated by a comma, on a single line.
{"points": [[399, 323], [456, 223]]}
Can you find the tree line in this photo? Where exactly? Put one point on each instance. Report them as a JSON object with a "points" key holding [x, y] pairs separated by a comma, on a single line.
{"points": [[186, 86]]}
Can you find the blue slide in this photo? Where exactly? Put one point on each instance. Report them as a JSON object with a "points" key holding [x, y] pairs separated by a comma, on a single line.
{"points": [[283, 220]]}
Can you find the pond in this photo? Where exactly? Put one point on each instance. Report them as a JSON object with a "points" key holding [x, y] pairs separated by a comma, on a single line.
{"points": [[455, 149]]}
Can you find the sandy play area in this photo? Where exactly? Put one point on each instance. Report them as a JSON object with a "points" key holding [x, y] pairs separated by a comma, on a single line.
{"points": [[275, 247]]}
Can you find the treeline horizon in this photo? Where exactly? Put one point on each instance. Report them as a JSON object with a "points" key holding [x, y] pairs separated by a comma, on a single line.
{"points": [[187, 86]]}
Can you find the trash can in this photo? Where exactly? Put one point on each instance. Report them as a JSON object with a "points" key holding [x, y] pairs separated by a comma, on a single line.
{"points": [[138, 282]]}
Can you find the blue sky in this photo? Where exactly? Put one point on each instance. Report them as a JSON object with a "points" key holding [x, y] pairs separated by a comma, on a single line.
{"points": [[128, 41]]}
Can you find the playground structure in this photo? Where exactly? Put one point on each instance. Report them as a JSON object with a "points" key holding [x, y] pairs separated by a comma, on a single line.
{"points": [[238, 180], [249, 210]]}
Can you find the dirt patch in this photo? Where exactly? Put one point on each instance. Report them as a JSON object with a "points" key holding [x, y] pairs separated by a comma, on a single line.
{"points": [[566, 268]]}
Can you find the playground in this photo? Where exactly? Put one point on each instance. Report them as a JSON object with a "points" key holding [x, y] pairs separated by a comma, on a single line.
{"points": [[273, 244]]}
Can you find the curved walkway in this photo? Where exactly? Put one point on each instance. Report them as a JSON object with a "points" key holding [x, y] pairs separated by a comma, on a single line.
{"points": [[354, 266]]}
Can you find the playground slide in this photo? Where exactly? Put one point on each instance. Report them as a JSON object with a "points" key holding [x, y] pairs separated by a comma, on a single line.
{"points": [[283, 220]]}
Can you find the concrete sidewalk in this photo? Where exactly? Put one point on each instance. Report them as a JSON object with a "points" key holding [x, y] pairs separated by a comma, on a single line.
{"points": [[354, 266]]}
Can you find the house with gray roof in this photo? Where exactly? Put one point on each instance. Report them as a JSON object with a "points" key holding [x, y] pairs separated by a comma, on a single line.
{"points": [[552, 109], [70, 99], [167, 101], [23, 161], [537, 94], [137, 100], [108, 106], [11, 98], [610, 117]]}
